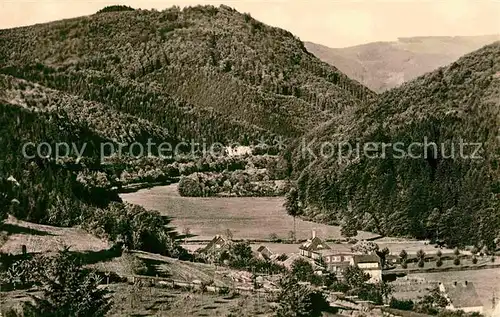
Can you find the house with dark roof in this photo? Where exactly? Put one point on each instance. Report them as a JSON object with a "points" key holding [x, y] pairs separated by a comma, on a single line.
{"points": [[312, 247], [263, 253], [462, 296], [218, 243], [369, 263]]}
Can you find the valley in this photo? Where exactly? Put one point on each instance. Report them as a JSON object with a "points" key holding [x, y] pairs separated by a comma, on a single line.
{"points": [[269, 224]]}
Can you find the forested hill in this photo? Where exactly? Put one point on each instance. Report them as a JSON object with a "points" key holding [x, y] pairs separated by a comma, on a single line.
{"points": [[200, 72], [451, 199]]}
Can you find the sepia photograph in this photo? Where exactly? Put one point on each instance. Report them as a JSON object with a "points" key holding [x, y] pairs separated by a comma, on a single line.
{"points": [[240, 158]]}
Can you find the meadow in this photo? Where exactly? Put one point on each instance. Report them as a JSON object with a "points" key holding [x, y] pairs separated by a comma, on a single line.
{"points": [[486, 282], [253, 218]]}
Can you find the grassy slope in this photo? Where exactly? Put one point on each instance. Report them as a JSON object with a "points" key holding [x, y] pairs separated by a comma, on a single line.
{"points": [[41, 238], [247, 218]]}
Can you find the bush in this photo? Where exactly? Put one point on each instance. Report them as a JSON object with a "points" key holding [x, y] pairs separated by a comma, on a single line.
{"points": [[474, 260], [456, 261], [69, 290], [401, 304], [404, 265], [190, 187], [421, 263], [298, 300], [224, 290], [439, 262], [116, 8]]}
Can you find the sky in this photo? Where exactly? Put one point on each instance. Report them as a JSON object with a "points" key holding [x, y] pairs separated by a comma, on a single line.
{"points": [[334, 23]]}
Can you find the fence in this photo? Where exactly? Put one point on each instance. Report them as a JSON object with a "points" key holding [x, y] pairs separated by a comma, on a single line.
{"points": [[143, 280]]}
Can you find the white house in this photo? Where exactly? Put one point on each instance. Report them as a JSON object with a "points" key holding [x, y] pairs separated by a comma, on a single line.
{"points": [[369, 263], [312, 247]]}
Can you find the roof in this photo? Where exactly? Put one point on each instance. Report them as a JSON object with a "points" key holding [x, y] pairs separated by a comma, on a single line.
{"points": [[294, 256], [366, 258], [462, 294], [217, 240], [263, 248], [314, 244]]}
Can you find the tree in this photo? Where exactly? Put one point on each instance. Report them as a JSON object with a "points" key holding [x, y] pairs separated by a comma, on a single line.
{"points": [[474, 250], [302, 270], [186, 232], [295, 300], [456, 251], [421, 263], [383, 256], [273, 237], [403, 255], [474, 259], [240, 254], [365, 247], [348, 228], [439, 253], [456, 261], [421, 255], [229, 234], [292, 206], [69, 290], [431, 303], [439, 262], [355, 278]]}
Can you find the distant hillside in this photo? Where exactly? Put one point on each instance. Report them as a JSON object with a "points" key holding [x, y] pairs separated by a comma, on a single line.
{"points": [[384, 65], [201, 72], [454, 199]]}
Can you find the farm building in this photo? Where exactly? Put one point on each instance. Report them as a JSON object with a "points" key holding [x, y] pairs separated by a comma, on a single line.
{"points": [[369, 263], [462, 296], [217, 243], [312, 247], [263, 253]]}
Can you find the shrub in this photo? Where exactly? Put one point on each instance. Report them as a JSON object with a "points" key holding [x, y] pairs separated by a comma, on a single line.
{"points": [[273, 237], [439, 262], [474, 260], [282, 257], [421, 263], [224, 290], [69, 290], [297, 300], [116, 8], [190, 187], [456, 261], [404, 265], [401, 304]]}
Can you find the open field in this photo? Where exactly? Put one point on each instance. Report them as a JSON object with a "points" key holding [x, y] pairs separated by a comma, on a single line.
{"points": [[153, 301], [246, 217], [487, 282], [411, 246], [41, 238]]}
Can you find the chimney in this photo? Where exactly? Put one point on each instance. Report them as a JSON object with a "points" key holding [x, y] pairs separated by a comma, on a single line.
{"points": [[314, 233]]}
